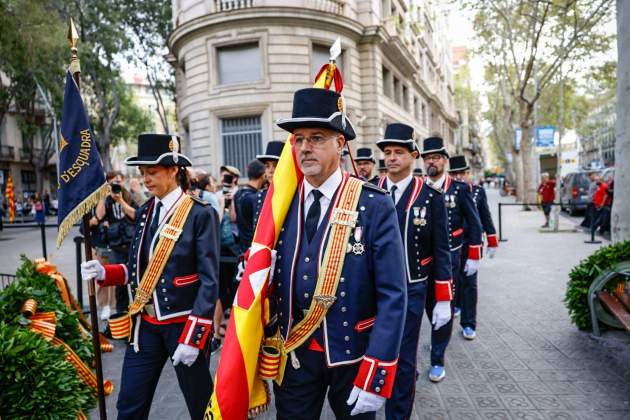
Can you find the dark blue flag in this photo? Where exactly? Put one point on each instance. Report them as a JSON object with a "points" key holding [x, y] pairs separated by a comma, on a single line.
{"points": [[81, 177]]}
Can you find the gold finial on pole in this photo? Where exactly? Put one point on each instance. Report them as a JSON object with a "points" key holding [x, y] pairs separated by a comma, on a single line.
{"points": [[73, 40]]}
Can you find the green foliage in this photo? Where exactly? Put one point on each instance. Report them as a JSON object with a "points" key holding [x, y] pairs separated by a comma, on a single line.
{"points": [[33, 285], [582, 275], [36, 381]]}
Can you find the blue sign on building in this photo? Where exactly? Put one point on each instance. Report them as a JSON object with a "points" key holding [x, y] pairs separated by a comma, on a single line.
{"points": [[545, 135]]}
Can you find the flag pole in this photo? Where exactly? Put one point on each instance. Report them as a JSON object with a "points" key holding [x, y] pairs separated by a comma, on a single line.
{"points": [[75, 70]]}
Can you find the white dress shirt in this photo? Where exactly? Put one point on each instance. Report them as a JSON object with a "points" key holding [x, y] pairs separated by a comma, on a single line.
{"points": [[401, 186], [439, 183], [168, 208], [328, 189]]}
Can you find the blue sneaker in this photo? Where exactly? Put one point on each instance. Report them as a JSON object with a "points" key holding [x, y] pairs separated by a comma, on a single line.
{"points": [[469, 333], [437, 373], [457, 312]]}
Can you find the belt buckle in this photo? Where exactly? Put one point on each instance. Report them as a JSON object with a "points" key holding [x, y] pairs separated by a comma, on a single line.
{"points": [[150, 309]]}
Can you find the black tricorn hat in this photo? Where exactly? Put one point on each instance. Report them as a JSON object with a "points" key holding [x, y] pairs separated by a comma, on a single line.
{"points": [[398, 134], [433, 145], [272, 152], [457, 163], [364, 153], [158, 149], [381, 165], [417, 171], [318, 108]]}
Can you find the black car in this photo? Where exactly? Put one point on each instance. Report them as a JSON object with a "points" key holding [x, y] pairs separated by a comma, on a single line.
{"points": [[574, 192]]}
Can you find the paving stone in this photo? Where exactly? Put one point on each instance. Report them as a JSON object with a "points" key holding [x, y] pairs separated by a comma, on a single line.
{"points": [[516, 402]]}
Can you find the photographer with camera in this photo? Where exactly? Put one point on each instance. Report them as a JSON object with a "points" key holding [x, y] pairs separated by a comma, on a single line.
{"points": [[117, 212]]}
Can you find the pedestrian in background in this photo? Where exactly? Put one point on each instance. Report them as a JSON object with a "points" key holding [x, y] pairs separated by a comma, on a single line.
{"points": [[547, 194], [117, 212], [245, 204], [207, 192], [38, 209]]}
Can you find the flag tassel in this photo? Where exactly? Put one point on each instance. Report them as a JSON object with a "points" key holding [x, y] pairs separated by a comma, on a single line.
{"points": [[82, 208]]}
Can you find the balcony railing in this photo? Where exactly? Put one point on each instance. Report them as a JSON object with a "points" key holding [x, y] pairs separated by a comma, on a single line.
{"points": [[7, 152], [27, 154], [330, 6]]}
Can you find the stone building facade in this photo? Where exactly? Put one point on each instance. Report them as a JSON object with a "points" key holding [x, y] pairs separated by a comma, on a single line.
{"points": [[238, 63]]}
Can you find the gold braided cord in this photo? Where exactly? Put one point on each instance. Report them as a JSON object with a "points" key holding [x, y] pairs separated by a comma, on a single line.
{"points": [[77, 213]]}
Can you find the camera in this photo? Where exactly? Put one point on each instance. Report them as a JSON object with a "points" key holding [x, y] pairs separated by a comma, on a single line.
{"points": [[227, 183], [116, 189]]}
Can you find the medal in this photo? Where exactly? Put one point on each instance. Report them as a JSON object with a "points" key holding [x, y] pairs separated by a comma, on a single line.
{"points": [[416, 219], [423, 213], [358, 248]]}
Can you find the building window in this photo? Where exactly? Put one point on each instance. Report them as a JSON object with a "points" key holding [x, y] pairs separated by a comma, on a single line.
{"points": [[405, 98], [242, 140], [416, 108], [319, 56], [397, 91], [239, 63], [387, 82], [424, 114], [28, 183]]}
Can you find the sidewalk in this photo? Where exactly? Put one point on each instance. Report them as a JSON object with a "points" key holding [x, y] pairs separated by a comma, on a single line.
{"points": [[528, 361]]}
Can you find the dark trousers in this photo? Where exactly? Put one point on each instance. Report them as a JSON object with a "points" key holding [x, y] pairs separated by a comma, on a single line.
{"points": [[468, 298], [400, 405], [122, 292], [141, 372], [301, 396], [441, 337]]}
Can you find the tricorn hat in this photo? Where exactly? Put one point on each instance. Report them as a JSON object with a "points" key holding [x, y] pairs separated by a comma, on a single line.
{"points": [[398, 134], [433, 145], [318, 108], [381, 165], [158, 149], [272, 152], [417, 171], [364, 153], [457, 163]]}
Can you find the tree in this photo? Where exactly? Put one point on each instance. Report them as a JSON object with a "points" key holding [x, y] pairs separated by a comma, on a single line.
{"points": [[620, 222], [31, 44], [532, 40]]}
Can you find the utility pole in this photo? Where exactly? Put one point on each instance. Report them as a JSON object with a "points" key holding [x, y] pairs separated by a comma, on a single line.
{"points": [[557, 209]]}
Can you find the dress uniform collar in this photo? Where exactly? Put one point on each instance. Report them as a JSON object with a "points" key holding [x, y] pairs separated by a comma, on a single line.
{"points": [[328, 188], [169, 200], [401, 186], [440, 182]]}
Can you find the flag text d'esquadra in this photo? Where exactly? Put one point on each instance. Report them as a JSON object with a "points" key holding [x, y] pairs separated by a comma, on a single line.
{"points": [[82, 159]]}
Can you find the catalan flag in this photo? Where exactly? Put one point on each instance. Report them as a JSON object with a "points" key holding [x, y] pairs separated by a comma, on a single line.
{"points": [[10, 199], [81, 177], [238, 391]]}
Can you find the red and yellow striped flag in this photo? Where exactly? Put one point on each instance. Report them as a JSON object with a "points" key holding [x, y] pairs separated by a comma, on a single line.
{"points": [[10, 199], [238, 391]]}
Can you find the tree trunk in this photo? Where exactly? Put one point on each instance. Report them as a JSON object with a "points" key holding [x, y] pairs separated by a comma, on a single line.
{"points": [[620, 222], [527, 155]]}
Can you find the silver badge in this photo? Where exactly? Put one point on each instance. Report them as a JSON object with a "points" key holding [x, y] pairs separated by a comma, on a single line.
{"points": [[358, 248]]}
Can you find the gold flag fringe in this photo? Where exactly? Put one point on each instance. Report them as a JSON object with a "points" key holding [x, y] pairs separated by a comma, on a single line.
{"points": [[77, 213]]}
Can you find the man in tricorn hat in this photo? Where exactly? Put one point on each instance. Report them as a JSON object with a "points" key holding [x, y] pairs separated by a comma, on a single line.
{"points": [[466, 296], [422, 221], [460, 210], [340, 235], [382, 169], [171, 275], [365, 164]]}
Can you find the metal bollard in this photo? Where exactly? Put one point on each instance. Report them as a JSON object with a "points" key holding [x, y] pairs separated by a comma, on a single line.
{"points": [[42, 227], [78, 241]]}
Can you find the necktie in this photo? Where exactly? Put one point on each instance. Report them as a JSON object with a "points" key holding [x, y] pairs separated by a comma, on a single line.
{"points": [[155, 222], [312, 218], [393, 193]]}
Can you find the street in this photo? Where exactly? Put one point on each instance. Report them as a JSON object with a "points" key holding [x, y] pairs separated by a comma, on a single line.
{"points": [[528, 361]]}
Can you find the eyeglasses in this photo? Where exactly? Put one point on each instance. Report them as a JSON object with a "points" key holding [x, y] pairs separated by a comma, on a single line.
{"points": [[432, 157], [314, 140]]}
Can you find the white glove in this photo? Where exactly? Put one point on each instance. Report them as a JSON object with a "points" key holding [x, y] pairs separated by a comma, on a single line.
{"points": [[92, 270], [471, 267], [441, 314], [492, 251], [185, 354], [365, 401]]}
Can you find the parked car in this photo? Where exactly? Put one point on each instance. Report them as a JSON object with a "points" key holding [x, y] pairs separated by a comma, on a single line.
{"points": [[574, 192]]}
